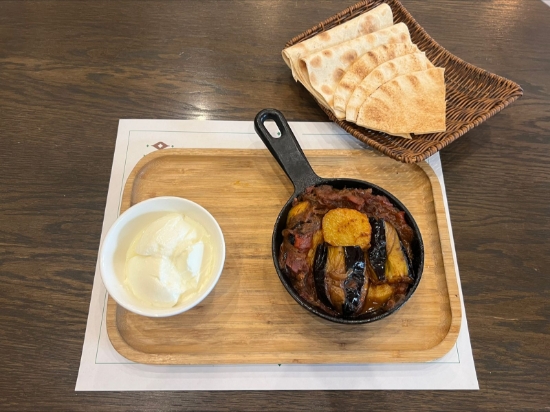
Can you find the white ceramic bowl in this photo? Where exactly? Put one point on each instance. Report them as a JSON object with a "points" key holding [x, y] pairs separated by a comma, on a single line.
{"points": [[112, 254]]}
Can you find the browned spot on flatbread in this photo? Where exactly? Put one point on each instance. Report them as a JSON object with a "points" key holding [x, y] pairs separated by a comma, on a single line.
{"points": [[326, 89], [315, 62], [349, 56], [371, 56], [376, 114], [312, 79], [327, 53], [345, 85], [391, 88], [414, 81], [337, 75], [403, 37], [368, 26], [324, 36], [393, 52], [361, 70]]}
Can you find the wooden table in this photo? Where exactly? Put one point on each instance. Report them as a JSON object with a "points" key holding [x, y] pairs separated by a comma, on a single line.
{"points": [[70, 69]]}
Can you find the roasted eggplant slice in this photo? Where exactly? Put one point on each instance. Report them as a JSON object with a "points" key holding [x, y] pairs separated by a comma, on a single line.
{"points": [[335, 275], [355, 280], [355, 259], [336, 263], [316, 241], [397, 264], [339, 273], [377, 251], [319, 273]]}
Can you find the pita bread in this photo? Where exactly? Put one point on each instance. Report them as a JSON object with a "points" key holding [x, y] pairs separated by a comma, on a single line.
{"points": [[321, 71], [371, 21], [362, 67], [398, 66], [412, 103]]}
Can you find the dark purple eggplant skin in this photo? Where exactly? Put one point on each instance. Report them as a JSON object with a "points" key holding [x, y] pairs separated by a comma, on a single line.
{"points": [[319, 273], [377, 252], [409, 264], [355, 266]]}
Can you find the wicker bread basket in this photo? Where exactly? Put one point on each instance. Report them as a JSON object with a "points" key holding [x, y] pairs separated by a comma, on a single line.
{"points": [[473, 94]]}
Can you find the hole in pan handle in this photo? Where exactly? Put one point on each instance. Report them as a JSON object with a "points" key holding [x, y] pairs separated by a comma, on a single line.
{"points": [[286, 150]]}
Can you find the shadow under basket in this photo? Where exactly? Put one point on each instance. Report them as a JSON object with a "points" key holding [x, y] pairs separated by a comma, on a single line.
{"points": [[473, 95]]}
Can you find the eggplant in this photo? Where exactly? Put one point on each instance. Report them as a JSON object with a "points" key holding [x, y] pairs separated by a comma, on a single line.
{"points": [[319, 273], [397, 265], [317, 239], [377, 251], [355, 259], [335, 275], [353, 284], [339, 275]]}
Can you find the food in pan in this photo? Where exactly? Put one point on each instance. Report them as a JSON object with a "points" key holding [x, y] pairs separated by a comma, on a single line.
{"points": [[169, 260], [347, 251], [379, 79]]}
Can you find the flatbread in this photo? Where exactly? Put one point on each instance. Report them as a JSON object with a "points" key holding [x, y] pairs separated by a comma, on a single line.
{"points": [[387, 71], [320, 72], [412, 103], [362, 67], [376, 19]]}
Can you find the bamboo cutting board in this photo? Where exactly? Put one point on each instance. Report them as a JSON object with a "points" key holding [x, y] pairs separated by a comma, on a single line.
{"points": [[249, 317]]}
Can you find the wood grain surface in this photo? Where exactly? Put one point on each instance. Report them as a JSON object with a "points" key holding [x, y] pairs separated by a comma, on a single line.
{"points": [[70, 69], [249, 317]]}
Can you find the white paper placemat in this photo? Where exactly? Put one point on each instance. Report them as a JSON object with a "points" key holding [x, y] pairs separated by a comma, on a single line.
{"points": [[104, 369]]}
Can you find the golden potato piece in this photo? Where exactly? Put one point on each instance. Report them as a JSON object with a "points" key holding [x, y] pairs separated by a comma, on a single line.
{"points": [[296, 210], [346, 227], [377, 296]]}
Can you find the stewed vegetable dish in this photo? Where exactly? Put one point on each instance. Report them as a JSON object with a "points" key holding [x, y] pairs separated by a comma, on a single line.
{"points": [[347, 251]]}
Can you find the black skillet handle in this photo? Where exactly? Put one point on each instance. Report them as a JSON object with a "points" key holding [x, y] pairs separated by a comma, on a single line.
{"points": [[286, 150]]}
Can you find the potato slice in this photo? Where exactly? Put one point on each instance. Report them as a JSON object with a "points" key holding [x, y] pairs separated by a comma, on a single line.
{"points": [[377, 296], [296, 210], [346, 227]]}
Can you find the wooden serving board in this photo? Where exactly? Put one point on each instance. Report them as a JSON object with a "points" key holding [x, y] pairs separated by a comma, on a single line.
{"points": [[249, 317]]}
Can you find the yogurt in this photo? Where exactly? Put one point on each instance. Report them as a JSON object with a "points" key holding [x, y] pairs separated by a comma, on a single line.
{"points": [[168, 261]]}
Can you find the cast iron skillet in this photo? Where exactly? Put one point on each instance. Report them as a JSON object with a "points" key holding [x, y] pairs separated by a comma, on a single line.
{"points": [[286, 150]]}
